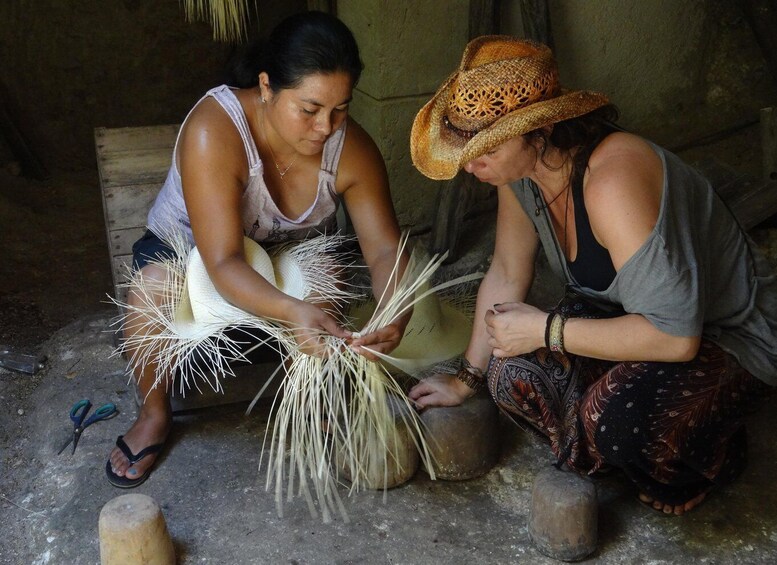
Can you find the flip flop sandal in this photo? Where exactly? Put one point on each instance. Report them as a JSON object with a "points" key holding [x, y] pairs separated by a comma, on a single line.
{"points": [[124, 482]]}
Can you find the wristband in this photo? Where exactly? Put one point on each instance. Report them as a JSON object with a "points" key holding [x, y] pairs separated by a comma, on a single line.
{"points": [[470, 375], [555, 333]]}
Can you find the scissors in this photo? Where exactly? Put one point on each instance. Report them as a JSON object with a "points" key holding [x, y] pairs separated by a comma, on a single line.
{"points": [[77, 414]]}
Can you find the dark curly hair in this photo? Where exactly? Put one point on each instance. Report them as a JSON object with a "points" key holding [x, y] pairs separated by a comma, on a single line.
{"points": [[578, 135]]}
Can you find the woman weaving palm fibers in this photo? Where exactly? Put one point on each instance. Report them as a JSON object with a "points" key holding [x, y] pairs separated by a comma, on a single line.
{"points": [[271, 159]]}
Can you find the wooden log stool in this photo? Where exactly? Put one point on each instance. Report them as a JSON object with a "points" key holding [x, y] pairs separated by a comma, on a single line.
{"points": [[133, 532], [563, 515], [464, 439], [400, 461]]}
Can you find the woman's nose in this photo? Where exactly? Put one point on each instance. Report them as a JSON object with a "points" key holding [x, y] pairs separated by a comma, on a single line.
{"points": [[324, 123]]}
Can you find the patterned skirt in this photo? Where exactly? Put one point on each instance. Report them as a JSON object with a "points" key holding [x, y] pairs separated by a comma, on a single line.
{"points": [[675, 429]]}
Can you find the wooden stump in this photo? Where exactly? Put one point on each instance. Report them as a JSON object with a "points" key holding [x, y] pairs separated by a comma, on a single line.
{"points": [[464, 439], [133, 532], [398, 463], [563, 516]]}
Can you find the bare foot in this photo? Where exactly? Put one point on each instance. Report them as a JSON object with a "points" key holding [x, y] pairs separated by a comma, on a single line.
{"points": [[676, 509], [151, 427]]}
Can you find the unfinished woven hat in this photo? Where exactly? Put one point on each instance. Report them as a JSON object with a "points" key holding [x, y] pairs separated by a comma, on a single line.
{"points": [[503, 88]]}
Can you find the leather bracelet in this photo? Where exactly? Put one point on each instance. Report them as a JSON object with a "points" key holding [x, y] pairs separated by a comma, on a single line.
{"points": [[556, 333], [470, 375]]}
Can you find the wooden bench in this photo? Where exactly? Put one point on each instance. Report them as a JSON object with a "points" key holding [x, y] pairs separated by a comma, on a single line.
{"points": [[132, 164]]}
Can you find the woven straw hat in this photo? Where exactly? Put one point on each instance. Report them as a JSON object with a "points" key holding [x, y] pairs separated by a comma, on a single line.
{"points": [[503, 88]]}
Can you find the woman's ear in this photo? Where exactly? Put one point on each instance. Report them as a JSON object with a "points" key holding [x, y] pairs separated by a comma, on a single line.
{"points": [[264, 86]]}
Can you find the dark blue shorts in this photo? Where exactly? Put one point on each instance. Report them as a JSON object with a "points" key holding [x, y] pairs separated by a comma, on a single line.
{"points": [[150, 248]]}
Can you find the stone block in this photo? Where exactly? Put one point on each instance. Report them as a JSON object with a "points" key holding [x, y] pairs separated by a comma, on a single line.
{"points": [[388, 122], [408, 47]]}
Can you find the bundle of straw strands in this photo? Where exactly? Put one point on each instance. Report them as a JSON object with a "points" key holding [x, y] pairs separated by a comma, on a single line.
{"points": [[332, 411]]}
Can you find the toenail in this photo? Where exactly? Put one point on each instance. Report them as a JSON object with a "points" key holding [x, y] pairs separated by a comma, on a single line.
{"points": [[132, 472]]}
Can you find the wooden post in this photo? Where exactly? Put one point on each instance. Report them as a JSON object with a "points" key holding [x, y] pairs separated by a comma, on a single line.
{"points": [[328, 6], [536, 21], [455, 194], [133, 532], [769, 143], [762, 17]]}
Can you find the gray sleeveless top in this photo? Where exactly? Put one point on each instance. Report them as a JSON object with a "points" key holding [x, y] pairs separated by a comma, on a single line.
{"points": [[262, 220], [696, 274]]}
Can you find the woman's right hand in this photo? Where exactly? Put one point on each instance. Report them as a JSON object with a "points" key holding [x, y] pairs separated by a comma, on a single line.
{"points": [[440, 390], [309, 323]]}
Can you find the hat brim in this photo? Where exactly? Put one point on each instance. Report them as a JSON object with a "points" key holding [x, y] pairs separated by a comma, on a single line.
{"points": [[439, 153]]}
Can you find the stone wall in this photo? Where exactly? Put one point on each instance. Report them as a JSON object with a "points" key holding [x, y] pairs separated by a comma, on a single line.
{"points": [[678, 70]]}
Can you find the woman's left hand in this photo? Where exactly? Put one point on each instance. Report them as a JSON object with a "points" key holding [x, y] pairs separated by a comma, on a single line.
{"points": [[515, 328], [384, 341]]}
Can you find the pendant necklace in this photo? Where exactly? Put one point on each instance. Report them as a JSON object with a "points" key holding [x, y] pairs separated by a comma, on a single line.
{"points": [[281, 173], [547, 206]]}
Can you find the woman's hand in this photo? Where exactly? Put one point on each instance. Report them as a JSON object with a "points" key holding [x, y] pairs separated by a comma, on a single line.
{"points": [[515, 328], [384, 340], [440, 390], [309, 323]]}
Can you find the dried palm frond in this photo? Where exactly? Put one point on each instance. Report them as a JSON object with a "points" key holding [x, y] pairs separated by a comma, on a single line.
{"points": [[343, 407], [339, 410], [193, 335], [229, 18]]}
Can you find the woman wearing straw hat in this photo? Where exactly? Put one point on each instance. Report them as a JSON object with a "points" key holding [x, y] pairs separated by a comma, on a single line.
{"points": [[667, 333], [271, 160]]}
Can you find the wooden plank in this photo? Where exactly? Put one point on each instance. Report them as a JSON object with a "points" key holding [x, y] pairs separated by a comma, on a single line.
{"points": [[751, 200], [121, 241], [755, 202], [121, 265], [127, 206], [141, 166], [119, 140]]}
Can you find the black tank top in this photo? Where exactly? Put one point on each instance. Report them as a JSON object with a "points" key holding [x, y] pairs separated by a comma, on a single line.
{"points": [[592, 268]]}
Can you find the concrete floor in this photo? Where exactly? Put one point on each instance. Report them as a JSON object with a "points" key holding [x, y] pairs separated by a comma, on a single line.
{"points": [[212, 492]]}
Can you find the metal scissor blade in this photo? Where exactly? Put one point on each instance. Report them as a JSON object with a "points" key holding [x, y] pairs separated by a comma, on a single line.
{"points": [[61, 449]]}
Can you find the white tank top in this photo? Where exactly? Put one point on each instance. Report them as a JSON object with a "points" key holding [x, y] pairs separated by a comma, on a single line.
{"points": [[262, 220]]}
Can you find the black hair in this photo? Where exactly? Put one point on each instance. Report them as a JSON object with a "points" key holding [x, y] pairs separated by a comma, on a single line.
{"points": [[582, 134], [302, 44]]}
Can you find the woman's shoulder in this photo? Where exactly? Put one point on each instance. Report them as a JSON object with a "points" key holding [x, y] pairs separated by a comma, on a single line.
{"points": [[209, 122], [360, 156], [620, 147], [623, 162], [622, 189]]}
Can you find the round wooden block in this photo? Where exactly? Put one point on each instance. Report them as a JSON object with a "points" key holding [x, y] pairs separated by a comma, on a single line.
{"points": [[133, 532], [464, 439], [563, 515], [398, 463]]}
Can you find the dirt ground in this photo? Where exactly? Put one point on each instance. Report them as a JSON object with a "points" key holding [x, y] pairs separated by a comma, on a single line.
{"points": [[54, 265]]}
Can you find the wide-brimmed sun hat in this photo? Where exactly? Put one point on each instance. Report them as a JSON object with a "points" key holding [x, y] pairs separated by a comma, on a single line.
{"points": [[503, 88]]}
